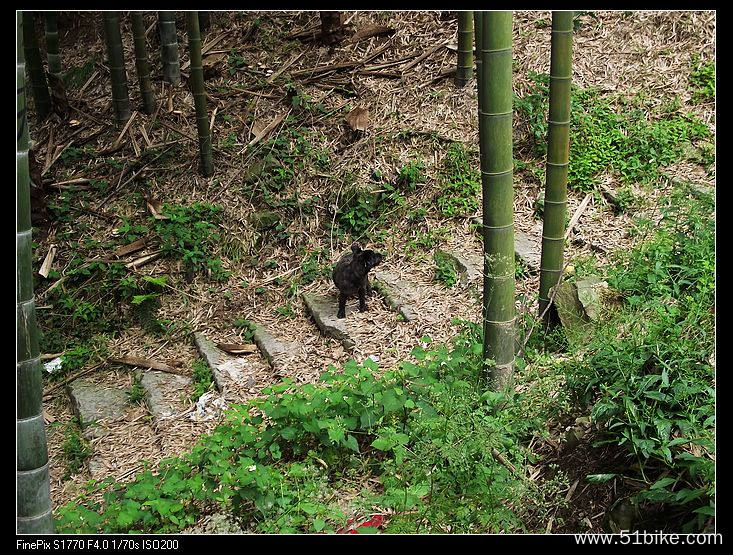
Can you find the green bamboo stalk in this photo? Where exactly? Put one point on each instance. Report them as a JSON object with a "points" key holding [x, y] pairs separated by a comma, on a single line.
{"points": [[33, 500], [495, 135], [52, 43], [558, 148], [464, 71], [204, 22], [118, 75], [141, 62], [39, 86], [169, 48], [477, 19], [199, 94]]}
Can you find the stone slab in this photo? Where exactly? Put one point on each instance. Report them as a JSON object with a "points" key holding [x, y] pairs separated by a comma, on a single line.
{"points": [[161, 388], [92, 402], [527, 248], [395, 293], [227, 370], [469, 267], [273, 349], [323, 309]]}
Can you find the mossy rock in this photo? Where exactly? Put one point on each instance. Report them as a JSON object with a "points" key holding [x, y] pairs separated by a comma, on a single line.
{"points": [[263, 220]]}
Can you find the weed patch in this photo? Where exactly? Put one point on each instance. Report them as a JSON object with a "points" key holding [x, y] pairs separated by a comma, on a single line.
{"points": [[628, 140]]}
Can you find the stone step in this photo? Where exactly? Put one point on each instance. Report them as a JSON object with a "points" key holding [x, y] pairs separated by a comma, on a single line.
{"points": [[396, 293], [276, 351], [229, 371], [527, 248], [469, 266], [92, 402], [163, 392], [323, 309]]}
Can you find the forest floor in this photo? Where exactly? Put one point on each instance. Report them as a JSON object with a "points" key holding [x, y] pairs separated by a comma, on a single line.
{"points": [[318, 175]]}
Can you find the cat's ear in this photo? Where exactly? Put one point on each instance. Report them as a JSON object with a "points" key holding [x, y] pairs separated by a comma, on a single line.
{"points": [[356, 247]]}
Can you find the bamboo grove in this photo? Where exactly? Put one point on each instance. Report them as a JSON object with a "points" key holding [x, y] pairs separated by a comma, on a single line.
{"points": [[494, 77], [492, 33]]}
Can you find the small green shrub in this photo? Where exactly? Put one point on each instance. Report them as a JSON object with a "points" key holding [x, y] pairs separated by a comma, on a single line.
{"points": [[460, 184], [76, 450], [630, 141], [445, 271], [702, 80], [203, 378]]}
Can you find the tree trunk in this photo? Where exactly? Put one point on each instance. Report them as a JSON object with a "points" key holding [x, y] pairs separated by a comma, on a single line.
{"points": [[116, 60], [477, 19], [141, 62], [558, 146], [199, 94], [331, 26], [39, 87], [465, 49], [204, 22], [169, 48], [495, 129], [52, 43], [33, 501]]}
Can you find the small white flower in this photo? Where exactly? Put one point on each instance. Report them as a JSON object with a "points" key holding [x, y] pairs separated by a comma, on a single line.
{"points": [[253, 468]]}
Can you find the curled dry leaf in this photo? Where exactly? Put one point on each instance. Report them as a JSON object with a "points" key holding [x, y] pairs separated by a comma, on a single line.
{"points": [[237, 349], [358, 119], [47, 262], [155, 207]]}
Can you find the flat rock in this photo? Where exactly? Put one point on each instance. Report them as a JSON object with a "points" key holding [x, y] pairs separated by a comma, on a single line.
{"points": [[227, 370], [264, 219], [163, 391], [274, 350], [469, 267], [527, 248], [396, 293], [323, 309], [93, 402], [590, 295], [579, 303]]}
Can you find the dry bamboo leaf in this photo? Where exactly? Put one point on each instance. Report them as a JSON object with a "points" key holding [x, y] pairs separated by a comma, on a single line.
{"points": [[258, 128], [131, 247], [274, 123], [238, 348], [155, 207], [47, 262], [143, 260], [358, 119]]}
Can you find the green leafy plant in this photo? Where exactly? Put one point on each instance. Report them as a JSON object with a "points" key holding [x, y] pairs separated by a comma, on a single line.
{"points": [[136, 394], [190, 233], [460, 183], [203, 378], [702, 80], [76, 450], [648, 374], [630, 141], [445, 271]]}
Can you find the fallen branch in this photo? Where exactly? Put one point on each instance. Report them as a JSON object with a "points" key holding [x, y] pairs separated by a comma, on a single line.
{"points": [[143, 260], [149, 364], [424, 55], [71, 378], [130, 248], [578, 213]]}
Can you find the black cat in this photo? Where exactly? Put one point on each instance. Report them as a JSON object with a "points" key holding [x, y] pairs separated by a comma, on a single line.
{"points": [[350, 276]]}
